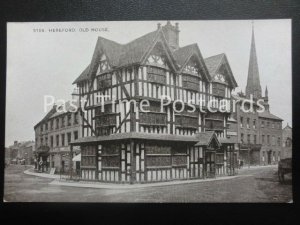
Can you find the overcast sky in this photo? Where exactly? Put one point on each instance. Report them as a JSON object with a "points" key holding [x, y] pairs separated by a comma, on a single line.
{"points": [[46, 63]]}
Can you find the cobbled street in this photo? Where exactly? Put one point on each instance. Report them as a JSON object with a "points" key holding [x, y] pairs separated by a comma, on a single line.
{"points": [[258, 185]]}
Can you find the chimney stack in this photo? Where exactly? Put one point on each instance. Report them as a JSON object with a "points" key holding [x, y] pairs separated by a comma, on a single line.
{"points": [[172, 35]]}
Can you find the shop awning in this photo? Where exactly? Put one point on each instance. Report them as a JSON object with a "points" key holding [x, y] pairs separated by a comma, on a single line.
{"points": [[77, 158]]}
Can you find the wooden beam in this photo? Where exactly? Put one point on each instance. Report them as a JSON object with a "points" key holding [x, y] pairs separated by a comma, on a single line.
{"points": [[71, 161], [88, 124], [132, 163], [123, 121], [119, 78]]}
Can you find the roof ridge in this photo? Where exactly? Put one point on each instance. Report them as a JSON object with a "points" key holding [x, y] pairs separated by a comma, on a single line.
{"points": [[141, 37], [103, 38], [215, 55]]}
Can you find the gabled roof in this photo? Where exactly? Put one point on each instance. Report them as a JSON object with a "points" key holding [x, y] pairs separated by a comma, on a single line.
{"points": [[111, 49], [269, 115], [135, 52], [213, 64], [53, 112], [83, 76], [287, 127], [184, 54], [205, 138], [48, 115]]}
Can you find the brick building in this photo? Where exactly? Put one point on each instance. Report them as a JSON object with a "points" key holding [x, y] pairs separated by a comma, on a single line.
{"points": [[126, 144], [259, 133], [53, 135]]}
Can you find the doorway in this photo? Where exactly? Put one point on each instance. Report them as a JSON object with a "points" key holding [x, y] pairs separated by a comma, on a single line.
{"points": [[210, 163], [269, 157]]}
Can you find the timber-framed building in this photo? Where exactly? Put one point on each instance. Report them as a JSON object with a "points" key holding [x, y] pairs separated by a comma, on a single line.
{"points": [[122, 144]]}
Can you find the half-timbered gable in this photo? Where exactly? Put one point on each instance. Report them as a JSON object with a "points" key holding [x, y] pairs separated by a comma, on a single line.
{"points": [[220, 89], [134, 143]]}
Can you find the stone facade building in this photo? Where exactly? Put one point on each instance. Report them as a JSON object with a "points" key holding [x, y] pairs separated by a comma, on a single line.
{"points": [[125, 144], [287, 142], [53, 135], [259, 132], [20, 153]]}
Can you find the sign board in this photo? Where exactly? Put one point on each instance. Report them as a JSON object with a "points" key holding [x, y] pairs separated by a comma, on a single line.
{"points": [[52, 171]]}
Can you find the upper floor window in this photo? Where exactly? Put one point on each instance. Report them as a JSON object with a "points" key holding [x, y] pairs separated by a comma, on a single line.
{"points": [[69, 119], [75, 135], [248, 123], [46, 126], [51, 141], [268, 124], [273, 125], [42, 126], [156, 75], [190, 82], [218, 89], [68, 138], [248, 138], [268, 139], [254, 124], [288, 142], [51, 124], [57, 140], [262, 123], [104, 81], [263, 139], [254, 139], [242, 137], [57, 123], [63, 139], [76, 118], [63, 121], [278, 141], [242, 121]]}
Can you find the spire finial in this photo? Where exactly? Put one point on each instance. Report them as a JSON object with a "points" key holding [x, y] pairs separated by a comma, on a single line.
{"points": [[253, 82]]}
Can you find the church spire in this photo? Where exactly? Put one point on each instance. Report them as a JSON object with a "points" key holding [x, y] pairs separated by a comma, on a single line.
{"points": [[253, 83], [266, 92]]}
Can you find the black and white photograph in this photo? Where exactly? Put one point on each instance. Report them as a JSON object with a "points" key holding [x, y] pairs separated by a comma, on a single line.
{"points": [[156, 111]]}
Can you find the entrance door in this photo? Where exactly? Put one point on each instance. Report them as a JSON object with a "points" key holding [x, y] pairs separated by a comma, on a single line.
{"points": [[269, 156], [210, 163], [196, 162], [63, 166]]}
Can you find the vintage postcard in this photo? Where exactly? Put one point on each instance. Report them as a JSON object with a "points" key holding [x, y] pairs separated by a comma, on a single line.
{"points": [[149, 111]]}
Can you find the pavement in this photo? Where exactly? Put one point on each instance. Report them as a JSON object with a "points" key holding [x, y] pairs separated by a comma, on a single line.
{"points": [[251, 185], [84, 184], [45, 175]]}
